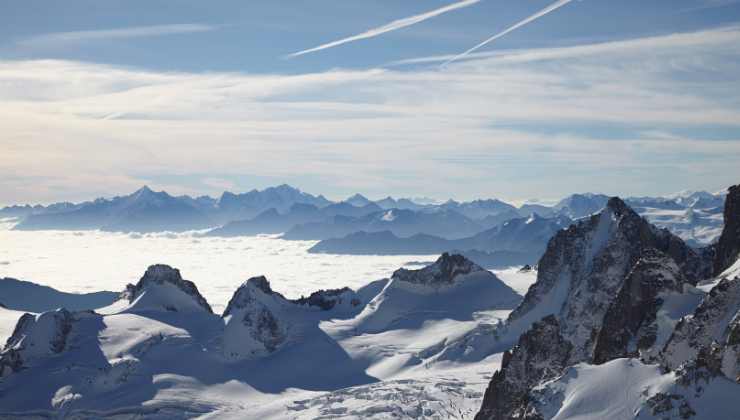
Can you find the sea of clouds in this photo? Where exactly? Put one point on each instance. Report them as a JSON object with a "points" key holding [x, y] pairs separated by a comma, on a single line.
{"points": [[91, 261]]}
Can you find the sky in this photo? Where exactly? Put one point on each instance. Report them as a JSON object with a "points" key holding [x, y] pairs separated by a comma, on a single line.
{"points": [[98, 98]]}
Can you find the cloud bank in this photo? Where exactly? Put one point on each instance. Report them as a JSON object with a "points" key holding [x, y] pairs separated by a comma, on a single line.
{"points": [[601, 117]]}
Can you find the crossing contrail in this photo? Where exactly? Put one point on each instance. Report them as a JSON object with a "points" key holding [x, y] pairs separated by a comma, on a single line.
{"points": [[558, 4], [392, 26]]}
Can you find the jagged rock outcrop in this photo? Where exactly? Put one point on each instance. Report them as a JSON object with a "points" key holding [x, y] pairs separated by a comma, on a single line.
{"points": [[630, 327], [712, 331], [163, 288], [253, 325], [585, 267], [728, 246], [329, 299], [541, 354], [35, 336], [442, 272]]}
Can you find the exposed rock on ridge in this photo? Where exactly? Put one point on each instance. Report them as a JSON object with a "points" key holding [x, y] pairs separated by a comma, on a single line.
{"points": [[158, 276], [442, 272], [541, 354], [35, 336]]}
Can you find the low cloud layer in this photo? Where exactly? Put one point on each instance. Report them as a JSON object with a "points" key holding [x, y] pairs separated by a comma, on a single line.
{"points": [[596, 117]]}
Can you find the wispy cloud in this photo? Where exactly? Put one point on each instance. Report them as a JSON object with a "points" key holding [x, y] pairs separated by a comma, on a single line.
{"points": [[554, 6], [56, 38], [392, 26], [529, 116]]}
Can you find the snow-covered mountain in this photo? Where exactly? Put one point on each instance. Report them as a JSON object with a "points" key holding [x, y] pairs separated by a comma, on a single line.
{"points": [[696, 217], [447, 224], [244, 206], [149, 211], [160, 352], [618, 301], [581, 205], [413, 297], [142, 211]]}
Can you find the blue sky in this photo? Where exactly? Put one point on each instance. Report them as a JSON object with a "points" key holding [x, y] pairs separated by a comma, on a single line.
{"points": [[628, 98]]}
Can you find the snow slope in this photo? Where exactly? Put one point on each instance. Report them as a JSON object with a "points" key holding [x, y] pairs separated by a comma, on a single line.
{"points": [[158, 352], [629, 389]]}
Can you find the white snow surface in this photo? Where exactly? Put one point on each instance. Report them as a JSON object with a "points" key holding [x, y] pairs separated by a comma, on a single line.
{"points": [[8, 320], [619, 389]]}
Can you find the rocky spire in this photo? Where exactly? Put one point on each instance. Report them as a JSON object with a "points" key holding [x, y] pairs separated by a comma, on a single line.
{"points": [[541, 354], [728, 246], [254, 327], [585, 267]]}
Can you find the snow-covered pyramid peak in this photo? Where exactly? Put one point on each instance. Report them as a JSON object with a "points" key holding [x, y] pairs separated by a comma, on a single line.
{"points": [[163, 288], [35, 336], [453, 287], [254, 327], [252, 290], [444, 271]]}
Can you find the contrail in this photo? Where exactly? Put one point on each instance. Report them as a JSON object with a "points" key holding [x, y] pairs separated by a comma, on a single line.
{"points": [[392, 26], [558, 4]]}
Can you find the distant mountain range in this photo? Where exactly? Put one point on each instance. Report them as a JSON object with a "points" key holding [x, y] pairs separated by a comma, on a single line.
{"points": [[696, 217], [522, 240]]}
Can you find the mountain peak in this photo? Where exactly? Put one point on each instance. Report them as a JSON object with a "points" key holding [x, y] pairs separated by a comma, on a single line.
{"points": [[260, 283], [358, 200], [254, 327], [162, 287], [251, 291], [143, 191], [443, 271], [618, 206]]}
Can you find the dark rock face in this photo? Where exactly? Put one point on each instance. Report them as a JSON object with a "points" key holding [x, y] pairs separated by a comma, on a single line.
{"points": [[632, 315], [728, 246], [35, 336], [443, 271], [160, 274], [328, 299], [541, 354]]}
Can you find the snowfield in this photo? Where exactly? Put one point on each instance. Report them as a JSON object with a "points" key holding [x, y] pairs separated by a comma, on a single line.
{"points": [[159, 353]]}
